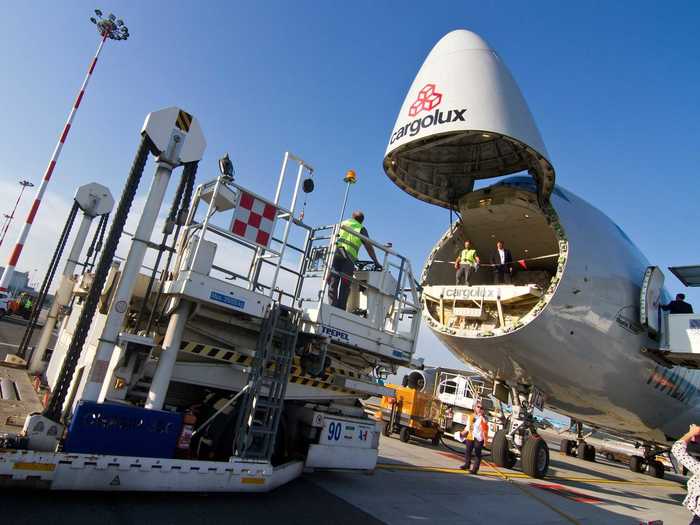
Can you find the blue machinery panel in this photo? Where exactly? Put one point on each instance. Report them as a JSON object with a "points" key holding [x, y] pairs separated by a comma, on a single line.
{"points": [[119, 430]]}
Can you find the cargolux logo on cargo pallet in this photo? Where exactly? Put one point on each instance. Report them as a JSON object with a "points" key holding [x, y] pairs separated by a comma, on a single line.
{"points": [[428, 99]]}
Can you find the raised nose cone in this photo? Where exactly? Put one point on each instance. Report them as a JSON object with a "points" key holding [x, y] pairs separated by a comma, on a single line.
{"points": [[464, 119]]}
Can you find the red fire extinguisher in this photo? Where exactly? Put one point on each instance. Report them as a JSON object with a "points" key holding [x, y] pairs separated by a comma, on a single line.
{"points": [[183, 442]]}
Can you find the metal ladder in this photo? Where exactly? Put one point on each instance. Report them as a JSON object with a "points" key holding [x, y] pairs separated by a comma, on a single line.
{"points": [[262, 404]]}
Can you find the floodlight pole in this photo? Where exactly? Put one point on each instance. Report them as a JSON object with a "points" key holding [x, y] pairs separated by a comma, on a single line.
{"points": [[107, 29], [25, 184]]}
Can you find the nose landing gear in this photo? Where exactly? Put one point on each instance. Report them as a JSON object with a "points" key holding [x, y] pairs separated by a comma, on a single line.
{"points": [[519, 437]]}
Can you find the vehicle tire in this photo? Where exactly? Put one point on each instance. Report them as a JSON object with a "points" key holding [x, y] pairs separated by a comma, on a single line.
{"points": [[3, 312], [387, 429], [436, 439], [656, 469], [590, 453], [565, 447], [581, 450], [636, 463], [535, 457], [500, 453], [609, 456], [405, 434]]}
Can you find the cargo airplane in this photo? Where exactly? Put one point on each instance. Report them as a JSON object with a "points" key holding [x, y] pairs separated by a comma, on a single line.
{"points": [[579, 328]]}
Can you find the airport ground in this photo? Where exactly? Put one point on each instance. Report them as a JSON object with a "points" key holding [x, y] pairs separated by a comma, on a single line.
{"points": [[413, 483]]}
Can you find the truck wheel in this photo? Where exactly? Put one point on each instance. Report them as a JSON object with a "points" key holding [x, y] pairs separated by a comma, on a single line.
{"points": [[656, 468], [565, 447], [535, 457], [405, 434], [436, 439], [3, 312], [500, 453], [636, 463]]}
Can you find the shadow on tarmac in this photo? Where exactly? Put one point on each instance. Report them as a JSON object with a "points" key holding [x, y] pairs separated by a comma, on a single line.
{"points": [[299, 503]]}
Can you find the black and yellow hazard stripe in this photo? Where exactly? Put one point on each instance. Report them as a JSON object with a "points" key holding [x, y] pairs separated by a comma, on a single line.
{"points": [[220, 354], [183, 121], [324, 381]]}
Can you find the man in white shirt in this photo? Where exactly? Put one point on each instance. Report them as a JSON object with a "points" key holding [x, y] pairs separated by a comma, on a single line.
{"points": [[476, 432]]}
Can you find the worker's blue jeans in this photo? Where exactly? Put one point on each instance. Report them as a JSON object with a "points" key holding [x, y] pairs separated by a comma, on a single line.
{"points": [[473, 446]]}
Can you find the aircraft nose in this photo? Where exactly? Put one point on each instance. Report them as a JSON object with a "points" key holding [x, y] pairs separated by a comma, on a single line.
{"points": [[460, 40]]}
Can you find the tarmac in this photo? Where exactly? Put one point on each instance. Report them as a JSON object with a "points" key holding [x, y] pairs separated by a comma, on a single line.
{"points": [[416, 482]]}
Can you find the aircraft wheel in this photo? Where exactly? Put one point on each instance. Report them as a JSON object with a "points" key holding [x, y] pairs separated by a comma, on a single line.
{"points": [[405, 434], [565, 447], [656, 469], [590, 453], [535, 457], [636, 463], [500, 453], [581, 450]]}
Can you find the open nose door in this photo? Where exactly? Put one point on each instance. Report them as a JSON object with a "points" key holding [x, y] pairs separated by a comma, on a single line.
{"points": [[650, 297]]}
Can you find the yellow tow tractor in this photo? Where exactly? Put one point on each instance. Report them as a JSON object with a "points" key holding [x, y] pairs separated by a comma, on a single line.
{"points": [[409, 414]]}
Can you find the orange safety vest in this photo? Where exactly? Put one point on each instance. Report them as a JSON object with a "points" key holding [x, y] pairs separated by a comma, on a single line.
{"points": [[484, 428]]}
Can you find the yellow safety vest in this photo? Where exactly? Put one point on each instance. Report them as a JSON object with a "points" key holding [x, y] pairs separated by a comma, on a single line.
{"points": [[468, 256], [351, 243]]}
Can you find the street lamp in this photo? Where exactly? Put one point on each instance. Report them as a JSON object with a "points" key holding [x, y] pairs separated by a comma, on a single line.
{"points": [[108, 27], [8, 218]]}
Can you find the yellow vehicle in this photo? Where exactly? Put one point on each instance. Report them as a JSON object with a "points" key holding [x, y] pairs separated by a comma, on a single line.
{"points": [[409, 413]]}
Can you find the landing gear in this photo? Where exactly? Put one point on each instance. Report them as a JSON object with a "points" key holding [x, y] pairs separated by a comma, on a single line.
{"points": [[585, 451], [535, 457], [636, 464], [656, 469], [579, 447], [500, 451], [520, 437], [568, 447], [648, 464]]}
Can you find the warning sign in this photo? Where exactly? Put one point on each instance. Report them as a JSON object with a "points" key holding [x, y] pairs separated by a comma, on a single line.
{"points": [[254, 219]]}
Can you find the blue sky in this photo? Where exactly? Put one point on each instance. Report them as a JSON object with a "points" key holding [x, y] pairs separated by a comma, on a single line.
{"points": [[612, 85]]}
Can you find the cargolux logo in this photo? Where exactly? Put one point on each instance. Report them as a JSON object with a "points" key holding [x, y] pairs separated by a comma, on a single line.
{"points": [[427, 99]]}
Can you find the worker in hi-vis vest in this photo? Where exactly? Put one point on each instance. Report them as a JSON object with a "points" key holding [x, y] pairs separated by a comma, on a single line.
{"points": [[346, 251], [476, 433], [467, 263]]}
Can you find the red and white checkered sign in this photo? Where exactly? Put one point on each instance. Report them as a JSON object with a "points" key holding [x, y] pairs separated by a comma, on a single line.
{"points": [[254, 219]]}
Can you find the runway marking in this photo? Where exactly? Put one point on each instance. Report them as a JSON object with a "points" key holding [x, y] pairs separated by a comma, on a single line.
{"points": [[566, 492], [492, 472], [9, 344], [525, 490]]}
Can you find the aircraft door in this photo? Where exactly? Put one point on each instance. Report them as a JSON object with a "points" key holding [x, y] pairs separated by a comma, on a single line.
{"points": [[649, 313]]}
